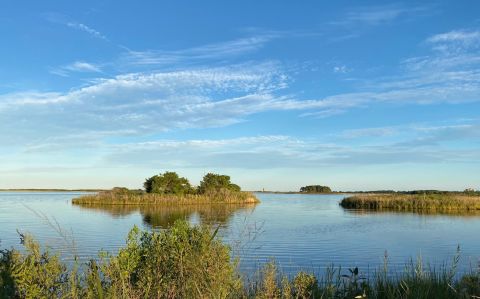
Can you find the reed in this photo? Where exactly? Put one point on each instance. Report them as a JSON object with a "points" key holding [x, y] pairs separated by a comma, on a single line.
{"points": [[138, 198], [429, 203]]}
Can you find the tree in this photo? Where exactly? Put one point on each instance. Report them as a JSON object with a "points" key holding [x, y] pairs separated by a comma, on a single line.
{"points": [[316, 189], [167, 183], [213, 182]]}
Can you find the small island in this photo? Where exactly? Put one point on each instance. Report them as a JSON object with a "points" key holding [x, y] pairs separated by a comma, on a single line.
{"points": [[170, 189], [416, 201], [315, 189]]}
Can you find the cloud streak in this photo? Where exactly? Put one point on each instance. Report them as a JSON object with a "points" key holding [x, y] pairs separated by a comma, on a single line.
{"points": [[87, 29], [77, 66]]}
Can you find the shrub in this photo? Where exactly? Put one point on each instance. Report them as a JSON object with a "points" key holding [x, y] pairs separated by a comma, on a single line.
{"points": [[168, 183], [212, 183], [32, 274]]}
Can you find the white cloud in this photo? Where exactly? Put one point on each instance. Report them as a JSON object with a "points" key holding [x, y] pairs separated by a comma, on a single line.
{"points": [[463, 36], [369, 132], [77, 66], [87, 29], [342, 69], [214, 51], [377, 15], [146, 102]]}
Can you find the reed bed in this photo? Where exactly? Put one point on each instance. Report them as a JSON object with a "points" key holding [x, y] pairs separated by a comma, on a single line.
{"points": [[428, 203], [136, 198]]}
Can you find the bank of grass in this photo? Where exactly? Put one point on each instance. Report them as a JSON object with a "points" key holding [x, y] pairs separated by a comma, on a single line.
{"points": [[191, 262], [126, 197], [428, 203]]}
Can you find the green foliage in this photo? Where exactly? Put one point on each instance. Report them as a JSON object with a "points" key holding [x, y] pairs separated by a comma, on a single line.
{"points": [[213, 183], [32, 274], [305, 285], [269, 282], [316, 189], [167, 183], [184, 262]]}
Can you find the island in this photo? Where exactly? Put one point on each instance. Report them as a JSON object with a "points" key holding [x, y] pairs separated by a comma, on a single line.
{"points": [[315, 189], [416, 201], [170, 189]]}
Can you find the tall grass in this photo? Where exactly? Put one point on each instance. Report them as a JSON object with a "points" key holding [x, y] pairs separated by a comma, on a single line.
{"points": [[190, 262], [136, 198], [414, 202]]}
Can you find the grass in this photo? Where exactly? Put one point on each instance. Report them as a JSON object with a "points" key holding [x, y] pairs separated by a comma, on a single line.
{"points": [[139, 198], [191, 262], [428, 203]]}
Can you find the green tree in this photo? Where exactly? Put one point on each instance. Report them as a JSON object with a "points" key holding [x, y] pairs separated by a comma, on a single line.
{"points": [[316, 189], [167, 183], [213, 182]]}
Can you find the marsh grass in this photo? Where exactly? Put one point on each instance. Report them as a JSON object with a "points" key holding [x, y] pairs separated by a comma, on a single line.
{"points": [[427, 203], [191, 262], [138, 198]]}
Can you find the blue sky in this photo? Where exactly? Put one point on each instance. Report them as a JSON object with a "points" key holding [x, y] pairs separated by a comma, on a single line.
{"points": [[356, 95]]}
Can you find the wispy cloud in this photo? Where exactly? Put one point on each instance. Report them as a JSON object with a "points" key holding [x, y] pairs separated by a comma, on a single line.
{"points": [[462, 36], [266, 152], [377, 15], [369, 132], [341, 69], [87, 29], [77, 66], [213, 51]]}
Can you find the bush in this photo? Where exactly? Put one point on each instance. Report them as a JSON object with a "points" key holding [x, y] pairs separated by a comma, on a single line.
{"points": [[212, 183], [168, 183], [183, 262], [32, 274]]}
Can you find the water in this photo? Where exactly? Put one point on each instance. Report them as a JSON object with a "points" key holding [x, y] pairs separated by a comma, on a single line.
{"points": [[299, 231]]}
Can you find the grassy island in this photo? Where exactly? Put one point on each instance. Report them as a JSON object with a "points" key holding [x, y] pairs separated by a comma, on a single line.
{"points": [[136, 198], [446, 202], [170, 189]]}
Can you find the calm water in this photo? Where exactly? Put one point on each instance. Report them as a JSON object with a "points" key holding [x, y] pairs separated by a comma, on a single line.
{"points": [[299, 231]]}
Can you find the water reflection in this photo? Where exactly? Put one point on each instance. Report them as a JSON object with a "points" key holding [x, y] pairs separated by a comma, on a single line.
{"points": [[165, 216]]}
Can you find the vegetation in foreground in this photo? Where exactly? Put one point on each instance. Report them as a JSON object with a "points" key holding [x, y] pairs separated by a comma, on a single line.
{"points": [[433, 202], [190, 262], [171, 189]]}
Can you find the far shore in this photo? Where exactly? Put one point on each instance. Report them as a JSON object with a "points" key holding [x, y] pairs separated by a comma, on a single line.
{"points": [[51, 190]]}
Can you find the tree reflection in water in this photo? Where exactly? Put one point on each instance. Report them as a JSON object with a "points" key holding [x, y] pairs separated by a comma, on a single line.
{"points": [[165, 216]]}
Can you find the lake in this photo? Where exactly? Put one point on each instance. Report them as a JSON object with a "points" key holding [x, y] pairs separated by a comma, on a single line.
{"points": [[299, 231]]}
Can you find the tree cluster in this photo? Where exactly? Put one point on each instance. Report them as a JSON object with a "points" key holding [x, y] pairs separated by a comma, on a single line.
{"points": [[171, 183], [316, 189]]}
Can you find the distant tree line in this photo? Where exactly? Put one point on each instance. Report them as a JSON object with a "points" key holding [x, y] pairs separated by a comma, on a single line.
{"points": [[171, 183], [315, 189]]}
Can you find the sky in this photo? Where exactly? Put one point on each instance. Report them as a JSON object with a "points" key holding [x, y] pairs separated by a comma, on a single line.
{"points": [[356, 95]]}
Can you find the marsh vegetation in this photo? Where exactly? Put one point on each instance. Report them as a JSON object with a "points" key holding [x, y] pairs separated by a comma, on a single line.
{"points": [[426, 202]]}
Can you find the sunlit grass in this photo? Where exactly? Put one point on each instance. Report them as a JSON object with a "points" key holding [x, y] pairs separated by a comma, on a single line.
{"points": [[138, 198], [443, 203]]}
